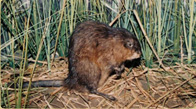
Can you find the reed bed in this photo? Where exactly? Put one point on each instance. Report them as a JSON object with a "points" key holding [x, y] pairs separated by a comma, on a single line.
{"points": [[35, 34]]}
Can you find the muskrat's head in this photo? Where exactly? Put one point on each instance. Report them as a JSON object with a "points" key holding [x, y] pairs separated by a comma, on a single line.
{"points": [[131, 44]]}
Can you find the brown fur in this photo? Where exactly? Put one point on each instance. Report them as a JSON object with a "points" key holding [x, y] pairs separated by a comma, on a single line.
{"points": [[95, 51]]}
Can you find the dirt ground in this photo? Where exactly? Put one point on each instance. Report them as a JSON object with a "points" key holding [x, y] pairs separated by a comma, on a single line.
{"points": [[142, 87]]}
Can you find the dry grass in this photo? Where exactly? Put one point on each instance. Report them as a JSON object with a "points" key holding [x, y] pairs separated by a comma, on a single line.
{"points": [[143, 87]]}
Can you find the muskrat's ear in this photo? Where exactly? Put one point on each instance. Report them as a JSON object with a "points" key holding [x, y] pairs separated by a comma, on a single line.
{"points": [[129, 44]]}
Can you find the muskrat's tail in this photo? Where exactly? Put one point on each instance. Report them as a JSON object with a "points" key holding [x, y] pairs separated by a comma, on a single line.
{"points": [[41, 83]]}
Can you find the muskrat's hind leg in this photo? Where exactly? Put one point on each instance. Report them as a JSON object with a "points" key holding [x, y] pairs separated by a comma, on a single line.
{"points": [[108, 97]]}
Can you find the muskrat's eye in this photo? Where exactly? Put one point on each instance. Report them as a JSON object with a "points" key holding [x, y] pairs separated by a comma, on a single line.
{"points": [[129, 44]]}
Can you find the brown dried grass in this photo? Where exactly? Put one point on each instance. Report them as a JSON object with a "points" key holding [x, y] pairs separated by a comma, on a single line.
{"points": [[143, 87]]}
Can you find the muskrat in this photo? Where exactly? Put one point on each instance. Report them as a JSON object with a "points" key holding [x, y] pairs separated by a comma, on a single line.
{"points": [[95, 51]]}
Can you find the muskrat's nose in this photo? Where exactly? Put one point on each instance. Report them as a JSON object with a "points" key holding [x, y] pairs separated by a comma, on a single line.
{"points": [[139, 52]]}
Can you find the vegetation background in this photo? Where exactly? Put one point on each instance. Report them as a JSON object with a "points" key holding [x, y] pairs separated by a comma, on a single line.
{"points": [[39, 30]]}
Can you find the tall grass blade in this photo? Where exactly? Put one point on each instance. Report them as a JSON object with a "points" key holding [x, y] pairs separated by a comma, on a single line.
{"points": [[191, 28], [159, 26]]}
